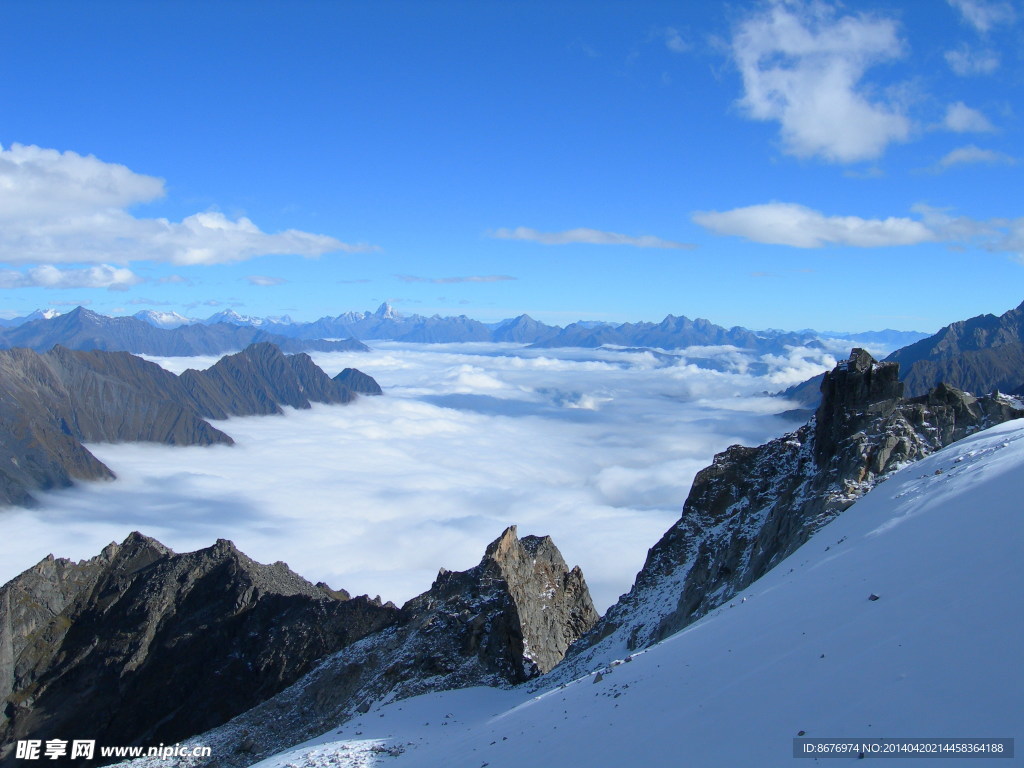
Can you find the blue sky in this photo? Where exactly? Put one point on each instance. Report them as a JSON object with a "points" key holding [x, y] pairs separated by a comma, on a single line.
{"points": [[767, 164]]}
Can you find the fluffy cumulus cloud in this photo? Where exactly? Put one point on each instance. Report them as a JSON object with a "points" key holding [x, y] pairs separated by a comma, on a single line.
{"points": [[595, 447], [48, 276], [585, 236], [803, 66], [62, 207], [962, 119], [802, 227]]}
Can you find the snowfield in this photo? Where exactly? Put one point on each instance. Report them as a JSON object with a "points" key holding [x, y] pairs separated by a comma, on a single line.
{"points": [[802, 651]]}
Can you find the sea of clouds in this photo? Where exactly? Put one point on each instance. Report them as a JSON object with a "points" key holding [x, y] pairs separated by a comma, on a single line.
{"points": [[596, 448]]}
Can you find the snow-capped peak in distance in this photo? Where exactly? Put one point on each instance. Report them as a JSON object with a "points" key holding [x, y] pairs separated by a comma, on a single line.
{"points": [[854, 636], [163, 319], [386, 312]]}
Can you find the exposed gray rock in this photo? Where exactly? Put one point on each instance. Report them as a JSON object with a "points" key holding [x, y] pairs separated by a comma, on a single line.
{"points": [[502, 622], [754, 506], [141, 646]]}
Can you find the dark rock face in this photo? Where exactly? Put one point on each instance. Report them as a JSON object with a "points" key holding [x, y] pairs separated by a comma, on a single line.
{"points": [[501, 622], [50, 404], [976, 355], [141, 646], [357, 381], [754, 506], [86, 330]]}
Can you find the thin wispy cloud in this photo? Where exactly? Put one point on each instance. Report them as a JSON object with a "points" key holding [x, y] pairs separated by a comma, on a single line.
{"points": [[804, 67], [802, 227], [467, 279], [985, 15], [973, 155], [62, 207], [583, 235], [674, 41], [966, 61], [265, 280], [47, 276]]}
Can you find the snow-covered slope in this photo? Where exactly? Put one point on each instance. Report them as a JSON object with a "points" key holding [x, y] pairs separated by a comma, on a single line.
{"points": [[803, 649]]}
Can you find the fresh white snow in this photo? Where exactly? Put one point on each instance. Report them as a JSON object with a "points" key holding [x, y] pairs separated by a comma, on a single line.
{"points": [[803, 649]]}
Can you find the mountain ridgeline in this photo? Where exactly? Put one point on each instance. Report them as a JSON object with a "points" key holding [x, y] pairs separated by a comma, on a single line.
{"points": [[142, 646], [156, 333], [87, 330], [52, 403]]}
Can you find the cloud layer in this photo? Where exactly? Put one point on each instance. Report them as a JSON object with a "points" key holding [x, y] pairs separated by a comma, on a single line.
{"points": [[803, 67], [62, 207], [594, 447], [47, 276], [586, 236]]}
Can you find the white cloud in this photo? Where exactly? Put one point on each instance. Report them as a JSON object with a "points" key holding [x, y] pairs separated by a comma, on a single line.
{"points": [[802, 227], [674, 41], [466, 440], [803, 67], [983, 15], [962, 119], [966, 61], [466, 279], [585, 235], [265, 280], [49, 276], [61, 207], [971, 154]]}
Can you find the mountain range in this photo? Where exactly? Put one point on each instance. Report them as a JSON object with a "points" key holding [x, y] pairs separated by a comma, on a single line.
{"points": [[87, 330], [185, 336]]}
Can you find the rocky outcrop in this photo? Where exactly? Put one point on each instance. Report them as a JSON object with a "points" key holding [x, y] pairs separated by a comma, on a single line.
{"points": [[87, 330], [140, 645], [50, 404], [977, 355], [501, 622], [357, 381], [754, 506]]}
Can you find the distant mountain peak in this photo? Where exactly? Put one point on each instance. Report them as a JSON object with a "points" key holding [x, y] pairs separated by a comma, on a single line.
{"points": [[386, 312]]}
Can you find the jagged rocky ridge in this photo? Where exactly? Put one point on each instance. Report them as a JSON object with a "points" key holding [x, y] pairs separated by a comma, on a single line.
{"points": [[754, 506], [52, 403], [140, 645], [84, 329], [977, 355]]}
